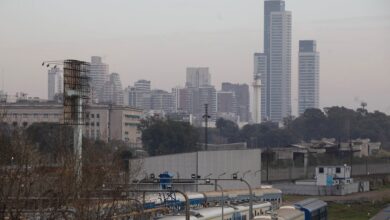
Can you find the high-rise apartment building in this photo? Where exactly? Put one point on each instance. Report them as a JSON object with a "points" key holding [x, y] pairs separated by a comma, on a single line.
{"points": [[162, 101], [309, 74], [276, 92], [98, 76], [226, 102], [139, 95], [208, 95], [269, 7], [198, 77], [112, 92], [241, 92], [55, 82], [280, 65]]}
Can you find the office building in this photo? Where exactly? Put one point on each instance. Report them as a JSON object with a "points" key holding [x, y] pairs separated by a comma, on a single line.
{"points": [[103, 122], [276, 95], [241, 92], [55, 85], [98, 77], [207, 95], [112, 92], [198, 77], [308, 74], [226, 102], [161, 101]]}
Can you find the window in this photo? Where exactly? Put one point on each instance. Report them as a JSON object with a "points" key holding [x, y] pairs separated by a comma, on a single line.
{"points": [[15, 123], [126, 132], [338, 170], [97, 124], [97, 116], [92, 124], [321, 170], [25, 124], [92, 116]]}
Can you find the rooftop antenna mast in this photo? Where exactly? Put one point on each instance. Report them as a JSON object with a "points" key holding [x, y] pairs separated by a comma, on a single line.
{"points": [[76, 94]]}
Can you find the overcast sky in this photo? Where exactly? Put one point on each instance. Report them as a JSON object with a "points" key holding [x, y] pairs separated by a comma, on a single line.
{"points": [[158, 39]]}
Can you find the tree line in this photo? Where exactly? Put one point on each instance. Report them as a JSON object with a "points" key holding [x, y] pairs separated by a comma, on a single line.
{"points": [[164, 136]]}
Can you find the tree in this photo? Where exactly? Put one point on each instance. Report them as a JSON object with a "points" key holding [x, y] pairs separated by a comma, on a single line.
{"points": [[161, 137], [228, 129]]}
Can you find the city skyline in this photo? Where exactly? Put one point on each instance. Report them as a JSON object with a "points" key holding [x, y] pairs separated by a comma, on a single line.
{"points": [[229, 57]]}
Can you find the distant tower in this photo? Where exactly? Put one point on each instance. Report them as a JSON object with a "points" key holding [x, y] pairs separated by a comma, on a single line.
{"points": [[198, 77], [309, 74], [55, 82], [269, 7], [112, 92], [98, 77], [260, 71], [276, 95]]}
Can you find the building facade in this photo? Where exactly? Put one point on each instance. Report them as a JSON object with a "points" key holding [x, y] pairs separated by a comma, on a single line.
{"points": [[198, 77], [103, 122], [276, 92], [98, 77], [308, 75], [241, 92], [112, 91], [162, 101], [280, 65], [55, 83]]}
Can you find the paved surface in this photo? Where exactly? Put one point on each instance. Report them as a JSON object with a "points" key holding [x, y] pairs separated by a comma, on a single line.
{"points": [[382, 215]]}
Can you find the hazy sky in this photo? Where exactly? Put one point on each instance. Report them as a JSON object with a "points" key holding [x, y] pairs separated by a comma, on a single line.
{"points": [[158, 39]]}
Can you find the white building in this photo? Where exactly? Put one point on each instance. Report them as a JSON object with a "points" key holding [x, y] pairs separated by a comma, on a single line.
{"points": [[309, 76], [198, 77], [333, 175], [259, 76], [103, 122], [99, 76], [280, 65], [55, 82]]}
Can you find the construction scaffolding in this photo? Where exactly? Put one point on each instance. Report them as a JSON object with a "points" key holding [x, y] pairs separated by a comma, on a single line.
{"points": [[76, 91]]}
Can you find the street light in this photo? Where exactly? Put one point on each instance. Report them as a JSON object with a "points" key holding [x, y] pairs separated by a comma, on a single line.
{"points": [[208, 175], [234, 175], [243, 175], [222, 174]]}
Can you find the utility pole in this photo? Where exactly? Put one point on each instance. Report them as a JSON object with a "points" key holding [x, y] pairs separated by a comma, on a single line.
{"points": [[206, 116]]}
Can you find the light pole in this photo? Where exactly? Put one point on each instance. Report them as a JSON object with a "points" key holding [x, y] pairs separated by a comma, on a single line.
{"points": [[222, 196], [246, 172]]}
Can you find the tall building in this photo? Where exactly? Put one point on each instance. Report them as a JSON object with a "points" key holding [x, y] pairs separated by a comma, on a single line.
{"points": [[241, 92], [277, 47], [259, 76], [226, 102], [198, 77], [112, 92], [161, 100], [269, 7], [309, 74], [99, 76], [207, 95], [55, 83], [139, 96]]}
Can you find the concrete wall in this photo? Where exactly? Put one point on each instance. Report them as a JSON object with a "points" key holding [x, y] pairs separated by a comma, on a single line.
{"points": [[313, 190], [292, 173], [209, 162]]}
